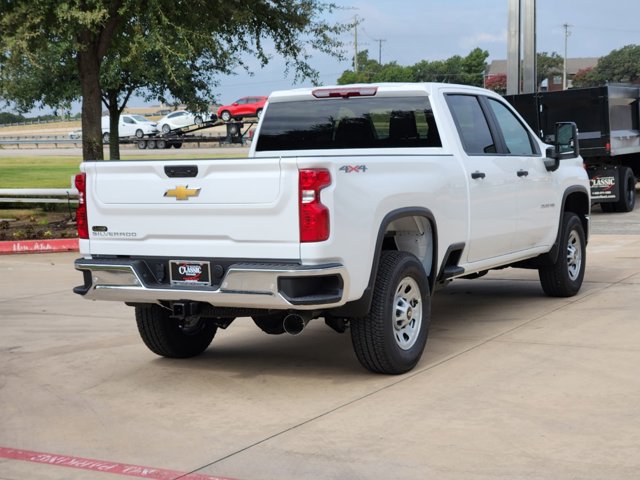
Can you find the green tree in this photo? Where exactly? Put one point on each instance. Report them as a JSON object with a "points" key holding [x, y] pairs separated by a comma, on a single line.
{"points": [[56, 51], [621, 65], [368, 68], [547, 65]]}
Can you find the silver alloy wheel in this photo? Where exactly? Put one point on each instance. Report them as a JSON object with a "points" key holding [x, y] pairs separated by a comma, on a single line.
{"points": [[574, 255], [407, 313]]}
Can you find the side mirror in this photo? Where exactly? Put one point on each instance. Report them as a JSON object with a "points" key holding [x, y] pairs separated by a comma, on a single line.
{"points": [[565, 145]]}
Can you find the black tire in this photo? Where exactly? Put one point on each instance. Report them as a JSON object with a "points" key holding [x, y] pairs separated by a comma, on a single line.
{"points": [[198, 120], [564, 277], [272, 323], [627, 190], [177, 145], [166, 128], [142, 144], [259, 113], [161, 144], [392, 336], [105, 137], [225, 116], [172, 338], [139, 133], [151, 144]]}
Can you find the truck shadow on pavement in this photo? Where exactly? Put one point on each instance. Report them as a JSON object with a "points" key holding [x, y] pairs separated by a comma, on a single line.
{"points": [[465, 311]]}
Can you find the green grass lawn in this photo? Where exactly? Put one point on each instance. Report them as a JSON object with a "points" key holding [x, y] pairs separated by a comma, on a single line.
{"points": [[38, 171], [56, 171]]}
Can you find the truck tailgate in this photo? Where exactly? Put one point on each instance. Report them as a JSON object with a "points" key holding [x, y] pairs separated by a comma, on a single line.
{"points": [[231, 208]]}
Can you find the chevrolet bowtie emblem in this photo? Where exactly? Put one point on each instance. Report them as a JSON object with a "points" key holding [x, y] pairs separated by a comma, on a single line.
{"points": [[182, 192]]}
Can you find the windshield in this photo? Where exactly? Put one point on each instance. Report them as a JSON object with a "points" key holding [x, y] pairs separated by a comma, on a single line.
{"points": [[357, 122]]}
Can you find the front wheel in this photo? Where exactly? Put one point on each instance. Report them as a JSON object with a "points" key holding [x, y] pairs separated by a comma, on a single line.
{"points": [[225, 116], [170, 337], [139, 133], [166, 128], [198, 120], [392, 336], [564, 277]]}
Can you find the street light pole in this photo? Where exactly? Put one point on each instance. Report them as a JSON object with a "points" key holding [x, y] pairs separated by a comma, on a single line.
{"points": [[564, 67]]}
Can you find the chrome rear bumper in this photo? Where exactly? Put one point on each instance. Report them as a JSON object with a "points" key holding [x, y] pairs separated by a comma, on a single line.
{"points": [[249, 285]]}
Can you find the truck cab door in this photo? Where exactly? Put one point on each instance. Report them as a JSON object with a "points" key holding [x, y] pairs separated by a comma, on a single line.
{"points": [[493, 189], [537, 211]]}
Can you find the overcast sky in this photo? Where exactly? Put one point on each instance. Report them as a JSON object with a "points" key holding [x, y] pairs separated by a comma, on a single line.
{"points": [[415, 30]]}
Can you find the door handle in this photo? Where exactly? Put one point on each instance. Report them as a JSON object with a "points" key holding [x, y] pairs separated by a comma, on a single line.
{"points": [[476, 175], [523, 173]]}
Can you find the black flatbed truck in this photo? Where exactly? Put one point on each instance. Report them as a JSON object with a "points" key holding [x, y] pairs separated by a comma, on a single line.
{"points": [[608, 120]]}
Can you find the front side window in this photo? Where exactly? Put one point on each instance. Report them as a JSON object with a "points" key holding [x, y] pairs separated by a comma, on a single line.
{"points": [[472, 124], [515, 134], [356, 122]]}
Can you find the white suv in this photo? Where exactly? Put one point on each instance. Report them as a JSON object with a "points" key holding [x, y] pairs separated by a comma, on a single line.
{"points": [[129, 126]]}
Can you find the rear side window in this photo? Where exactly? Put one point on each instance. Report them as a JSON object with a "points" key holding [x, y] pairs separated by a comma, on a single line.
{"points": [[472, 124], [357, 122]]}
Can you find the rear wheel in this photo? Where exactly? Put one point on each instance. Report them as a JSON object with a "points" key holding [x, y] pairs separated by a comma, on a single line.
{"points": [[177, 145], [564, 277], [142, 144], [259, 113], [151, 144], [392, 337], [627, 183], [105, 137], [172, 338], [161, 144], [198, 120]]}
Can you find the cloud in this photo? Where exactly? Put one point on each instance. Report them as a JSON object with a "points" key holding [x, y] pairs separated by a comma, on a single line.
{"points": [[483, 38]]}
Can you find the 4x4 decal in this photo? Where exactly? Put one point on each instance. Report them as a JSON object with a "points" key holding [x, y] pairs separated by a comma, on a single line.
{"points": [[353, 168]]}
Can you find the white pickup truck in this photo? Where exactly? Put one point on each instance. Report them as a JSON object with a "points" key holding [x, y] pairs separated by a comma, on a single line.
{"points": [[354, 205]]}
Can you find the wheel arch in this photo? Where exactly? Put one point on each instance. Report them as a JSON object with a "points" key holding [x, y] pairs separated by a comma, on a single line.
{"points": [[402, 217], [575, 200]]}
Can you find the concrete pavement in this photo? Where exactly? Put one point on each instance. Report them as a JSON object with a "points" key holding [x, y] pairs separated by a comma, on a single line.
{"points": [[513, 384]]}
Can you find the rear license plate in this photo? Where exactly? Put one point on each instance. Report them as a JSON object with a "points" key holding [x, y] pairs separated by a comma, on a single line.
{"points": [[188, 272]]}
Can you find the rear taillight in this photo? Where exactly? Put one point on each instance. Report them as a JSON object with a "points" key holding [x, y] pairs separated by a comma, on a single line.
{"points": [[314, 216], [81, 212]]}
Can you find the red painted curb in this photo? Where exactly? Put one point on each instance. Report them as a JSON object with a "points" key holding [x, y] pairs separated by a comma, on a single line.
{"points": [[106, 466], [39, 246]]}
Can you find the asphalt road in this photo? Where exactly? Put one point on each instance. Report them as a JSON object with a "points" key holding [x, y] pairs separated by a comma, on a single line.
{"points": [[513, 385]]}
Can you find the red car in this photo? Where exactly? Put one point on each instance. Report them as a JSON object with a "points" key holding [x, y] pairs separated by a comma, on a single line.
{"points": [[243, 107]]}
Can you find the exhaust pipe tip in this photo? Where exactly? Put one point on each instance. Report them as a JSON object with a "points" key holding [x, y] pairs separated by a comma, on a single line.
{"points": [[293, 324]]}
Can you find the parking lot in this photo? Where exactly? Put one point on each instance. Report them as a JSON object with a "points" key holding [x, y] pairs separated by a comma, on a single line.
{"points": [[513, 384]]}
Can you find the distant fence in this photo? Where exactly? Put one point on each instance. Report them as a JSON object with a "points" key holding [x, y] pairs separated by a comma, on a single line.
{"points": [[38, 122], [40, 140], [38, 195]]}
